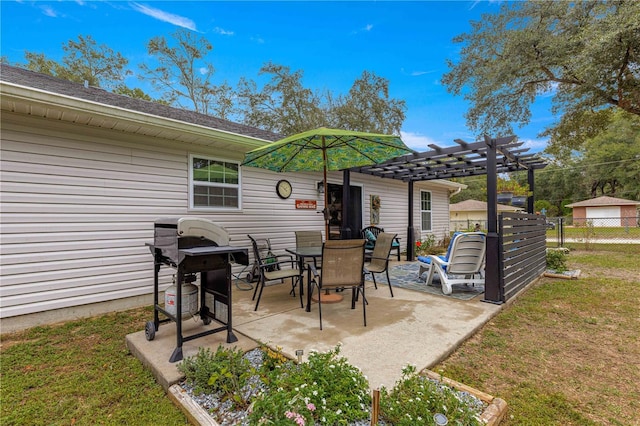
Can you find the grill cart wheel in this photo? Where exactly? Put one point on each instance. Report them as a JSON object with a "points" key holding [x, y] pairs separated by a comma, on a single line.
{"points": [[206, 320], [150, 330]]}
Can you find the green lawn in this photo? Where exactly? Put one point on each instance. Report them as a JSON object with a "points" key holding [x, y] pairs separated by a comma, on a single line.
{"points": [[563, 353], [566, 351], [81, 373]]}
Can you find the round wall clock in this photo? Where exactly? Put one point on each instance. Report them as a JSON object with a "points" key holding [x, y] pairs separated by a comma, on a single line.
{"points": [[283, 189]]}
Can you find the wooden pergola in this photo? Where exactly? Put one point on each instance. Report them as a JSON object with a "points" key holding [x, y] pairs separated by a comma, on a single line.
{"points": [[488, 157]]}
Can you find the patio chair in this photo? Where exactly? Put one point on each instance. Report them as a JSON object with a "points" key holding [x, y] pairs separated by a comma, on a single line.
{"points": [[275, 268], [370, 233], [342, 267], [463, 263], [309, 239], [380, 258]]}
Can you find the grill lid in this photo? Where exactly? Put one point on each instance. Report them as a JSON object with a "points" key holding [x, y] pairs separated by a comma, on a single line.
{"points": [[196, 227]]}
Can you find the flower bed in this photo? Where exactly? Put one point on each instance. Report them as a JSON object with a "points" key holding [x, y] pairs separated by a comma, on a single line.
{"points": [[262, 386]]}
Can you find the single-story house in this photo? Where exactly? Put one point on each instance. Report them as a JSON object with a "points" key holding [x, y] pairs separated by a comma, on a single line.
{"points": [[466, 214], [605, 211], [86, 173]]}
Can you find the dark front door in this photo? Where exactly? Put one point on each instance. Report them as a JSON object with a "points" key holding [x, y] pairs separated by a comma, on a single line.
{"points": [[354, 220]]}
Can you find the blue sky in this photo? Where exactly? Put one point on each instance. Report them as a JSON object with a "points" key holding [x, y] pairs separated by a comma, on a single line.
{"points": [[331, 42]]}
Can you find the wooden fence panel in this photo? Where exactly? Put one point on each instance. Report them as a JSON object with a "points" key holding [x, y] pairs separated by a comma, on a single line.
{"points": [[522, 251]]}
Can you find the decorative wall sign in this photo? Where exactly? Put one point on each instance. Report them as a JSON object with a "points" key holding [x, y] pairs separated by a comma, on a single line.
{"points": [[306, 204], [375, 209]]}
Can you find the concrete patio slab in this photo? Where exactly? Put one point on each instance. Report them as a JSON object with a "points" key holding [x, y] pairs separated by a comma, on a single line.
{"points": [[411, 328]]}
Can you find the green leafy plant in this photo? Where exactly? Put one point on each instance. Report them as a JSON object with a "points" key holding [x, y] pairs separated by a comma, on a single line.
{"points": [[415, 399], [224, 372], [326, 389], [557, 259], [426, 245]]}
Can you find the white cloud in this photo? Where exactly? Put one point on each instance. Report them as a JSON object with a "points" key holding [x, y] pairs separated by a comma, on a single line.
{"points": [[203, 70], [417, 141], [222, 31], [49, 11], [258, 39], [535, 145], [369, 27], [161, 15]]}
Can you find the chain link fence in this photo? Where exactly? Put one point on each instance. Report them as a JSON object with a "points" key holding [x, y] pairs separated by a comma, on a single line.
{"points": [[587, 231], [563, 230]]}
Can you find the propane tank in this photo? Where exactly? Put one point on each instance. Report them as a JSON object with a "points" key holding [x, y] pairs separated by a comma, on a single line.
{"points": [[189, 300]]}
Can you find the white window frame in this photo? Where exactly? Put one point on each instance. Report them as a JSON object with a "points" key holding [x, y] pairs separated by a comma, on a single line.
{"points": [[430, 211], [193, 183]]}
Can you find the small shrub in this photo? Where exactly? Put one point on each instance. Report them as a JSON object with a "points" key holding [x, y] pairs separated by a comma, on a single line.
{"points": [[224, 372], [415, 399], [426, 245], [557, 260], [326, 389]]}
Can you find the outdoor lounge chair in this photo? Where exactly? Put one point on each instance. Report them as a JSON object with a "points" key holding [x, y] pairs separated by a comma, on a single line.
{"points": [[380, 257], [370, 233], [275, 268], [463, 263], [342, 267]]}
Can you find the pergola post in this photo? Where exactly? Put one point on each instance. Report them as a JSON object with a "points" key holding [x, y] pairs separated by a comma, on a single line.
{"points": [[492, 291], [530, 199], [411, 237]]}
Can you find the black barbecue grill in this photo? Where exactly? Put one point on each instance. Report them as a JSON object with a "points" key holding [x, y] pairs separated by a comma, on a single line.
{"points": [[194, 246]]}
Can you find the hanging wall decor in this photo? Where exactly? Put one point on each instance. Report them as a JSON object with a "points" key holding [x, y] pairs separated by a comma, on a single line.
{"points": [[375, 209]]}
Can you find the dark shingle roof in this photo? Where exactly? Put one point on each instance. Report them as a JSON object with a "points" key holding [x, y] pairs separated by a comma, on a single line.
{"points": [[48, 83]]}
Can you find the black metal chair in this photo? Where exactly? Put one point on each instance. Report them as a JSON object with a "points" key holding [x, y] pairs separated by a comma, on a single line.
{"points": [[275, 268], [370, 233]]}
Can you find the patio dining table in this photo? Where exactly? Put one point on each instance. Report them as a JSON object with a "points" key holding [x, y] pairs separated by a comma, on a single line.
{"points": [[315, 253]]}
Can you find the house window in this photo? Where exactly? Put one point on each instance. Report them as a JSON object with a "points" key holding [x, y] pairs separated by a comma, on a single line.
{"points": [[214, 183], [425, 210]]}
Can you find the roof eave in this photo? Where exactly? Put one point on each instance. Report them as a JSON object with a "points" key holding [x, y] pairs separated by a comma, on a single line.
{"points": [[43, 98]]}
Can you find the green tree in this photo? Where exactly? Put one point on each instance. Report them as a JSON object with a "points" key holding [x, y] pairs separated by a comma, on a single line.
{"points": [[612, 159], [368, 107], [585, 54], [84, 60], [560, 183], [283, 105], [136, 93], [182, 74], [476, 189]]}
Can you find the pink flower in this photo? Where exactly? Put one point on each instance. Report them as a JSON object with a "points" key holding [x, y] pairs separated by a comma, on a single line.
{"points": [[311, 407]]}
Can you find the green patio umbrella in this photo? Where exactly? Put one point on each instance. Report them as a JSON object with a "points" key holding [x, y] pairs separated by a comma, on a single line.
{"points": [[326, 149]]}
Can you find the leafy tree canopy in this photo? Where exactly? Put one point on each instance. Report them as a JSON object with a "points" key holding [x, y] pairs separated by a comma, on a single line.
{"points": [[585, 54], [182, 73], [285, 106], [83, 61], [612, 159]]}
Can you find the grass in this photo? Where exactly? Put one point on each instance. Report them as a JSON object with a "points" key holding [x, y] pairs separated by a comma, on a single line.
{"points": [[81, 372], [606, 232], [564, 352]]}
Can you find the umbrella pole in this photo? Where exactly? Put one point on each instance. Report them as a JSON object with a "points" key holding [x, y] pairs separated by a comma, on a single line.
{"points": [[326, 197]]}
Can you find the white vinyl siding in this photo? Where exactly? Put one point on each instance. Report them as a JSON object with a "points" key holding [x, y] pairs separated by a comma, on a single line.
{"points": [[79, 203]]}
